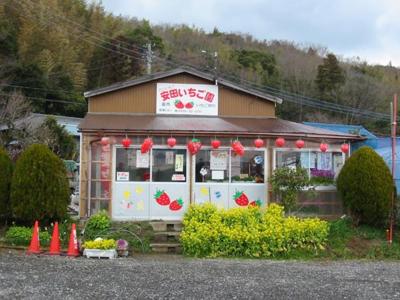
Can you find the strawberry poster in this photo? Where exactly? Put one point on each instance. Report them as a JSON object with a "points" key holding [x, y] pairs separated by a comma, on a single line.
{"points": [[187, 99]]}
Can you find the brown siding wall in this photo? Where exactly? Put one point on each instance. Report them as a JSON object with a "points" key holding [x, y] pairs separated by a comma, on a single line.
{"points": [[142, 99]]}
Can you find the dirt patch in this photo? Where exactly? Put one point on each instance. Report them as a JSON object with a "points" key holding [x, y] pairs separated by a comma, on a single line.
{"points": [[360, 247]]}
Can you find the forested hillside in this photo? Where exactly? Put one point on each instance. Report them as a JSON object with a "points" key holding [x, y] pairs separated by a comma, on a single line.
{"points": [[51, 51]]}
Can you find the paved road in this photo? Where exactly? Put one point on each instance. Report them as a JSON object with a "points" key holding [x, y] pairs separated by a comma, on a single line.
{"points": [[174, 277]]}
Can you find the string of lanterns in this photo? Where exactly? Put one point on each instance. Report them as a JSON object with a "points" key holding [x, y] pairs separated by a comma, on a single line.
{"points": [[194, 145]]}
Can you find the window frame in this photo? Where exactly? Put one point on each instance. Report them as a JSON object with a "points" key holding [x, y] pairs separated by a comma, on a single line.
{"points": [[309, 150]]}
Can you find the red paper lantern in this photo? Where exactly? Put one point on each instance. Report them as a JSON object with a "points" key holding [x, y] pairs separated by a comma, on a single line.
{"points": [[258, 143], [299, 144], [215, 144], [104, 141], [280, 142], [146, 145], [345, 148], [194, 146], [323, 147], [238, 148], [126, 142], [171, 142]]}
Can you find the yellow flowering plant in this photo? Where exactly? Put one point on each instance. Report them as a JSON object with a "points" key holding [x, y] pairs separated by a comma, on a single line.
{"points": [[250, 232]]}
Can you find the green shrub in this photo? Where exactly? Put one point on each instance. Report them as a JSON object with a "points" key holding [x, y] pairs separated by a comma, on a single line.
{"points": [[365, 186], [21, 236], [287, 183], [101, 244], [5, 184], [39, 188], [250, 232], [98, 225]]}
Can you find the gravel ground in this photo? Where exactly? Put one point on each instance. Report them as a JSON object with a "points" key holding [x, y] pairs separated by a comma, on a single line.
{"points": [[176, 277]]}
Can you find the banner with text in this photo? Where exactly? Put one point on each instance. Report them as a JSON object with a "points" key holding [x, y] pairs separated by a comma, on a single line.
{"points": [[187, 99]]}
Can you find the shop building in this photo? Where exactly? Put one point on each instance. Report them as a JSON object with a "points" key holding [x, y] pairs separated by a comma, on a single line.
{"points": [[139, 138]]}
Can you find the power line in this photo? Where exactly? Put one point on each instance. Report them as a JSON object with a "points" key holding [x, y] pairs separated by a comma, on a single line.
{"points": [[48, 100], [288, 96]]}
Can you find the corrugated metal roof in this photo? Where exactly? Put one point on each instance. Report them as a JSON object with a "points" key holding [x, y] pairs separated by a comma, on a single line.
{"points": [[205, 126], [351, 129], [155, 76], [34, 120]]}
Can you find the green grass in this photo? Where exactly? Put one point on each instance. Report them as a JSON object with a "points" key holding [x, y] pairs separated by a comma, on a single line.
{"points": [[363, 242]]}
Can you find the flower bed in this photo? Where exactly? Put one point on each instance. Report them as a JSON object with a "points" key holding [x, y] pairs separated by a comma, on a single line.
{"points": [[250, 232]]}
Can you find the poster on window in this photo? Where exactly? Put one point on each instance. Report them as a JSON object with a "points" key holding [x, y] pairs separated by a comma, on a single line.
{"points": [[218, 160], [123, 176], [142, 159], [304, 160], [187, 99], [169, 157], [179, 163], [324, 161]]}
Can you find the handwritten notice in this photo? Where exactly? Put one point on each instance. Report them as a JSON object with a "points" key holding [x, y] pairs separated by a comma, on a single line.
{"points": [[179, 163], [142, 159], [218, 160]]}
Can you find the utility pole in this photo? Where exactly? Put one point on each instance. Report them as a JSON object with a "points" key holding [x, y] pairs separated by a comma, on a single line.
{"points": [[215, 62], [149, 58], [216, 67], [394, 130]]}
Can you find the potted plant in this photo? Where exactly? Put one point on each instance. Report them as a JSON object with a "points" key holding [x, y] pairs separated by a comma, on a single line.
{"points": [[122, 248], [100, 248]]}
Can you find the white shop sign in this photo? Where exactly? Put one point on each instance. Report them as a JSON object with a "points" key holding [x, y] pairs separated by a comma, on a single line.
{"points": [[187, 99]]}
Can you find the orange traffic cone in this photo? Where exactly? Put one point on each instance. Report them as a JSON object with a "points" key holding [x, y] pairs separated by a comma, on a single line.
{"points": [[34, 247], [73, 242], [55, 241]]}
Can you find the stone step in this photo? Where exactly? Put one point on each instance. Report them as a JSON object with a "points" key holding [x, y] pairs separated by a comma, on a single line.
{"points": [[159, 226], [166, 247], [166, 236]]}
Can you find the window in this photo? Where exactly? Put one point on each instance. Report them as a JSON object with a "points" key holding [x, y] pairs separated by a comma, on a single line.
{"points": [[212, 166], [292, 159], [248, 168], [169, 165], [322, 167], [132, 165], [325, 166]]}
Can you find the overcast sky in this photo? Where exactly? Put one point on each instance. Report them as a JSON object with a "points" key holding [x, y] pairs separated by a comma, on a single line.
{"points": [[369, 29]]}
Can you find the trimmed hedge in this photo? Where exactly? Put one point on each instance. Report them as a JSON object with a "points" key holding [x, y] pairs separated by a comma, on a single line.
{"points": [[6, 169], [39, 188], [21, 236], [250, 232], [366, 185]]}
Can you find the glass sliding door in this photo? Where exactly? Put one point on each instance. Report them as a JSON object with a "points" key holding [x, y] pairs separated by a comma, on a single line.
{"points": [[247, 180], [131, 184], [227, 180], [211, 177], [169, 187]]}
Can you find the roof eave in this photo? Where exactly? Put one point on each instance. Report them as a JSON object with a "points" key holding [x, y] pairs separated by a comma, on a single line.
{"points": [[159, 75]]}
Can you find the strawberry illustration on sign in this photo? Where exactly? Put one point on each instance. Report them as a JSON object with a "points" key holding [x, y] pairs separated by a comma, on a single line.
{"points": [[256, 203], [179, 104], [162, 197], [241, 198], [176, 204], [189, 105]]}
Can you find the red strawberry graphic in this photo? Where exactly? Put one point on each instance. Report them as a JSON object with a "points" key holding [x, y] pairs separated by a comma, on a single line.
{"points": [[189, 105], [176, 204], [241, 198], [255, 203], [179, 104], [162, 197]]}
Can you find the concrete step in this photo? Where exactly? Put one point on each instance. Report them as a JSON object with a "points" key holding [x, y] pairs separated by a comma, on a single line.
{"points": [[166, 236], [159, 226], [166, 247]]}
